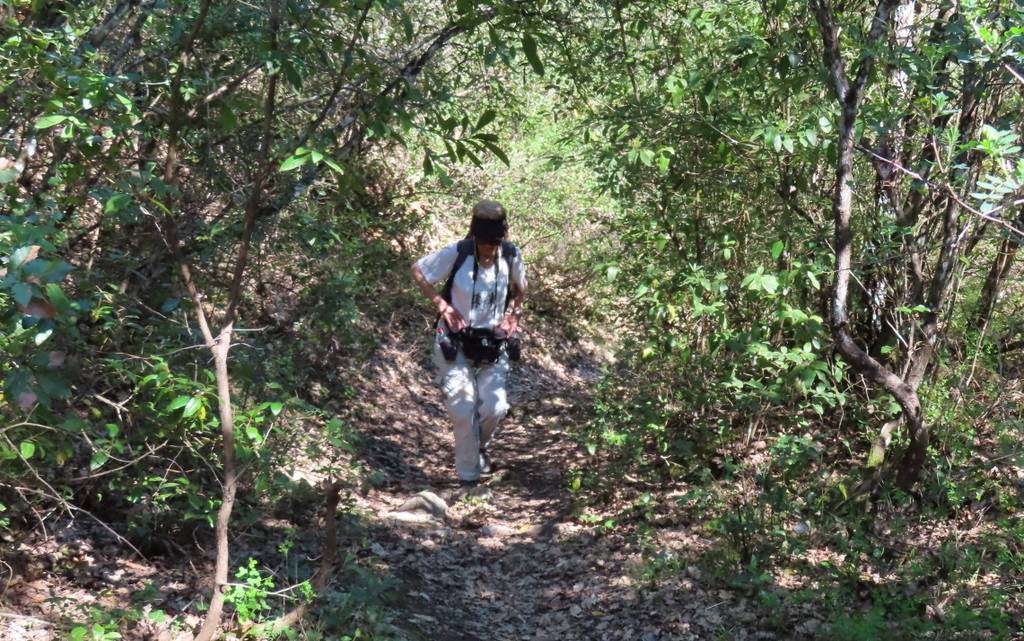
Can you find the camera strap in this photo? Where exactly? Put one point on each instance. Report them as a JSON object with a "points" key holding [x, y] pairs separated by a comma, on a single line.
{"points": [[466, 248], [494, 294]]}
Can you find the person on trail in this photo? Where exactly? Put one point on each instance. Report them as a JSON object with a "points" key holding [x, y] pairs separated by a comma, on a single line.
{"points": [[476, 335]]}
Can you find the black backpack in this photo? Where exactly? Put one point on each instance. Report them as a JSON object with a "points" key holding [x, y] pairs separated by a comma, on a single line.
{"points": [[466, 248]]}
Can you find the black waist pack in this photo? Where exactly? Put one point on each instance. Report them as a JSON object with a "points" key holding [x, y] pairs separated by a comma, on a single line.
{"points": [[481, 345]]}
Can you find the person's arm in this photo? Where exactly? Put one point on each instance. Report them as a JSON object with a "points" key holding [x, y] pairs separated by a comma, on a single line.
{"points": [[451, 316], [510, 321]]}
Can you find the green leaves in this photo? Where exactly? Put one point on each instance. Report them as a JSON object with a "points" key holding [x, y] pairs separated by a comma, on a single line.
{"points": [[777, 248], [97, 460], [178, 402], [191, 405], [916, 309], [50, 121], [769, 283], [485, 119], [295, 161], [116, 203], [304, 156], [21, 256], [9, 173], [22, 293], [27, 449], [530, 49], [761, 281], [494, 149]]}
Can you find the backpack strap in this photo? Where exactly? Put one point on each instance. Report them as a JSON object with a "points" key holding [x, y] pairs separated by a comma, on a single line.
{"points": [[465, 248], [509, 253]]}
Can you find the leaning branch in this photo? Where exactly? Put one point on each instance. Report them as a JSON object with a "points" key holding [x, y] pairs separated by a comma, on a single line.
{"points": [[850, 97], [830, 41], [349, 123], [322, 577], [951, 193]]}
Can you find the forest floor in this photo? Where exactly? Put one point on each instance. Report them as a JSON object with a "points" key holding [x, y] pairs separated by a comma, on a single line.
{"points": [[539, 559], [527, 563], [543, 559], [523, 564]]}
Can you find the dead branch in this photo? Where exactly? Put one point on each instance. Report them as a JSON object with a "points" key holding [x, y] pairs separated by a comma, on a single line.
{"points": [[322, 576]]}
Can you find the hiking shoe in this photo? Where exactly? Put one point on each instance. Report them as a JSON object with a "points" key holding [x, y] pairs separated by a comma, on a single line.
{"points": [[471, 489], [485, 462], [480, 492]]}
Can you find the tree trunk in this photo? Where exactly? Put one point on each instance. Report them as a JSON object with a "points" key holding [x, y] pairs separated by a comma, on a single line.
{"points": [[220, 351], [230, 485], [997, 274], [850, 96], [942, 279]]}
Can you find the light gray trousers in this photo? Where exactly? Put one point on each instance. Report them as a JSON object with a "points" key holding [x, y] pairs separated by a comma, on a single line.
{"points": [[476, 401]]}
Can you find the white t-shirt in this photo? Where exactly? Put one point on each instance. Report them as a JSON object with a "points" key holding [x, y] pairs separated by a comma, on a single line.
{"points": [[481, 305]]}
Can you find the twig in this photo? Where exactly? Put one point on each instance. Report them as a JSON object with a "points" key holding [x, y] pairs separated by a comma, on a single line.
{"points": [[74, 508], [896, 332], [27, 424], [88, 477], [319, 581], [949, 191], [281, 593], [1013, 72], [118, 406]]}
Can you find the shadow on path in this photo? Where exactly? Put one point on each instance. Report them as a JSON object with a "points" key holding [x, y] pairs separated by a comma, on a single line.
{"points": [[520, 566]]}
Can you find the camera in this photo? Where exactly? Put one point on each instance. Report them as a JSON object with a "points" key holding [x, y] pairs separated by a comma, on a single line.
{"points": [[512, 344], [514, 347]]}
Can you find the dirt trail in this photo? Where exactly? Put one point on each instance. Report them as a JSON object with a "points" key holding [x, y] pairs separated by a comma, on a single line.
{"points": [[520, 566]]}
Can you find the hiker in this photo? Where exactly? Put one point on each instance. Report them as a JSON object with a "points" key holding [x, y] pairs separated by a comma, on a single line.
{"points": [[477, 330]]}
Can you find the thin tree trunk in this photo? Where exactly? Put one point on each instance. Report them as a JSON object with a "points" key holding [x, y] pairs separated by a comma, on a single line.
{"points": [[942, 280], [997, 274], [230, 484], [321, 578], [220, 352], [850, 96]]}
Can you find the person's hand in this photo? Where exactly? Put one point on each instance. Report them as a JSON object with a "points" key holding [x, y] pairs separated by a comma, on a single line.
{"points": [[509, 324], [452, 318]]}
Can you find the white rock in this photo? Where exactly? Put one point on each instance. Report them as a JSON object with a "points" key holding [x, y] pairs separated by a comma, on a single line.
{"points": [[496, 529], [480, 493], [411, 518], [428, 502]]}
